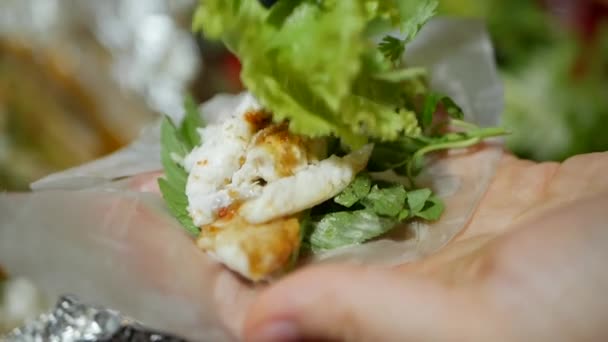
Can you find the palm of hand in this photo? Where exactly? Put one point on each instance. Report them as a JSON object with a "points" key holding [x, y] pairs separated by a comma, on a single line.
{"points": [[527, 267], [521, 257]]}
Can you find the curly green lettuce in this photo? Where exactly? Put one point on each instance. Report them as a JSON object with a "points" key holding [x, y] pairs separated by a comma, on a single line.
{"points": [[335, 69], [316, 64]]}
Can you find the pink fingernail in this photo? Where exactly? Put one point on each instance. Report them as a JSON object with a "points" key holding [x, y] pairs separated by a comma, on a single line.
{"points": [[277, 331]]}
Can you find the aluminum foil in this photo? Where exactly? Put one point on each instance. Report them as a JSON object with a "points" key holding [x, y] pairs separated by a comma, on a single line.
{"points": [[152, 53], [74, 321]]}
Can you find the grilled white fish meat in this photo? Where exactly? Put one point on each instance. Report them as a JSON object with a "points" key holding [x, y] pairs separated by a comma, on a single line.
{"points": [[248, 181]]}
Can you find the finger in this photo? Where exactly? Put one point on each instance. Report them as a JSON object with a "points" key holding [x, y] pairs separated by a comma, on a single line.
{"points": [[120, 250], [361, 304], [554, 263], [145, 182]]}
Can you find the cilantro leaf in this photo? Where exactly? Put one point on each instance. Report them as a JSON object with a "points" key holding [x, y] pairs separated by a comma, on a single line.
{"points": [[345, 228], [358, 189], [430, 106], [416, 199], [414, 14], [386, 202], [432, 101], [408, 15], [433, 209], [393, 154], [453, 110], [392, 48]]}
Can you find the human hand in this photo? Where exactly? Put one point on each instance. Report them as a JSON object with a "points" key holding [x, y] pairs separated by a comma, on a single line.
{"points": [[124, 251], [529, 266]]}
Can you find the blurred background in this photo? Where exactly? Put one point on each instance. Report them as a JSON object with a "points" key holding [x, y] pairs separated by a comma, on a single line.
{"points": [[79, 79]]}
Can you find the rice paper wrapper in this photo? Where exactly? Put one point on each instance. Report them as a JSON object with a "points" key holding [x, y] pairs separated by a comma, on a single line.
{"points": [[87, 232]]}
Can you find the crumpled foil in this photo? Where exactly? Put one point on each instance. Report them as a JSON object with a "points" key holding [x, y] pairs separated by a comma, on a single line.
{"points": [[74, 321], [91, 72], [150, 49]]}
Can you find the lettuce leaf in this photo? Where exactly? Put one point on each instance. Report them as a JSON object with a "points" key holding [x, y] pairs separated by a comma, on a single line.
{"points": [[387, 201], [356, 190], [341, 229], [313, 62], [367, 209]]}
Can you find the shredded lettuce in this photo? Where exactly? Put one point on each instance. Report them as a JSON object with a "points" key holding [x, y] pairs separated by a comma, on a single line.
{"points": [[366, 209], [387, 202], [345, 228], [356, 190]]}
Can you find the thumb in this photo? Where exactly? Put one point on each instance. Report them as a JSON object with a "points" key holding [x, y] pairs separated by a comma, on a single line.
{"points": [[359, 304]]}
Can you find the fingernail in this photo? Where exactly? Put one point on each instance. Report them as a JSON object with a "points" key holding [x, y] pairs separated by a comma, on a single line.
{"points": [[277, 331]]}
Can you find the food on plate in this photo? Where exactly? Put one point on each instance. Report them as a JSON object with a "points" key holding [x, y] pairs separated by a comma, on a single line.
{"points": [[307, 159]]}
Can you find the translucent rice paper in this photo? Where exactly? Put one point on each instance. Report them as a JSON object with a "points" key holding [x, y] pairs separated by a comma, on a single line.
{"points": [[84, 232]]}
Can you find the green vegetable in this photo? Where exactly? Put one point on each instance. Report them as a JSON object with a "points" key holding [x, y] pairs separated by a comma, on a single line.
{"points": [[410, 16], [191, 124], [387, 202], [417, 198], [175, 144], [317, 65], [431, 103], [356, 190], [392, 48], [384, 207], [432, 210], [347, 228], [314, 62]]}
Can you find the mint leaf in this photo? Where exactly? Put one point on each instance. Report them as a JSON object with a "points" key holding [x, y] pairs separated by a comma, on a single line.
{"points": [[356, 190], [416, 200], [177, 203], [191, 123], [347, 228], [386, 202], [171, 139], [433, 209], [172, 148], [175, 144]]}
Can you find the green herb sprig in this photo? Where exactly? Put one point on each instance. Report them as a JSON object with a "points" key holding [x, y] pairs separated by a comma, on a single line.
{"points": [[176, 143]]}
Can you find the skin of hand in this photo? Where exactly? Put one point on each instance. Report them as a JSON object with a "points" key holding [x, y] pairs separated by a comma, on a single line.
{"points": [[530, 266]]}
